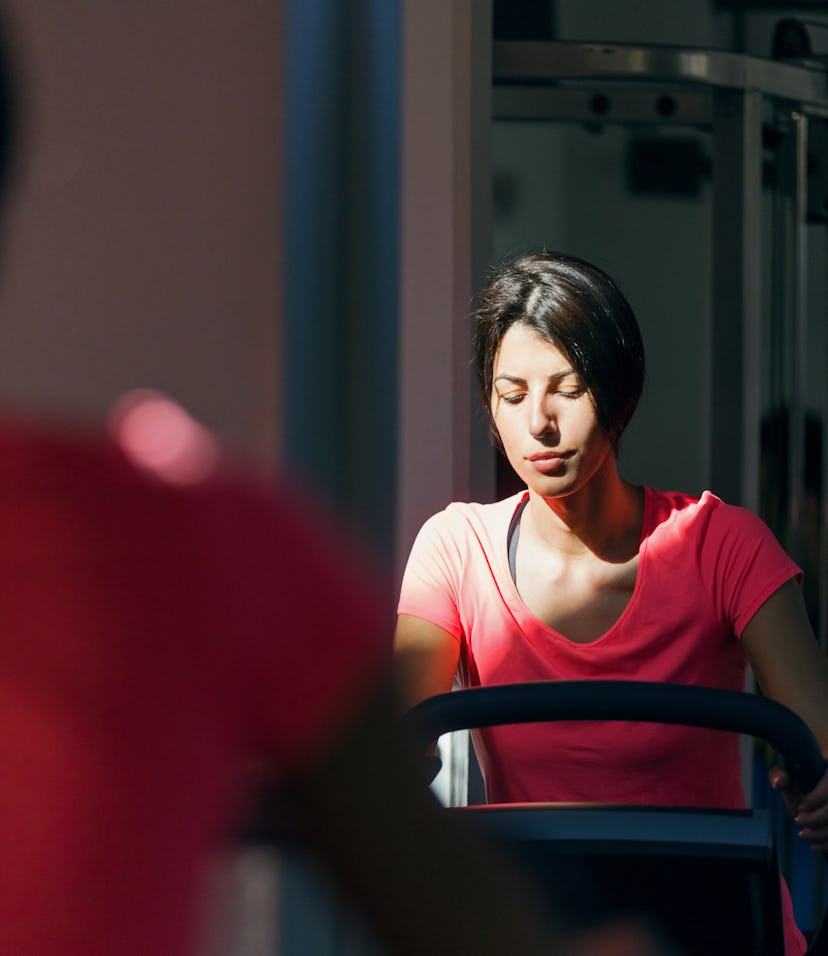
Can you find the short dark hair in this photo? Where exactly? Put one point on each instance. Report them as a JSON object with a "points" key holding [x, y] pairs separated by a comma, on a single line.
{"points": [[579, 309]]}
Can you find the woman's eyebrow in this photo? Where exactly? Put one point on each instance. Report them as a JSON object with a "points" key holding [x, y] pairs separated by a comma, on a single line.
{"points": [[517, 380]]}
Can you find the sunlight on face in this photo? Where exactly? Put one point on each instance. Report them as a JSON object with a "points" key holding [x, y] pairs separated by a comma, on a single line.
{"points": [[544, 415]]}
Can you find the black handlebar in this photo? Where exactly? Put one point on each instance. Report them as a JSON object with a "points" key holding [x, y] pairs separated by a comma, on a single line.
{"points": [[704, 707]]}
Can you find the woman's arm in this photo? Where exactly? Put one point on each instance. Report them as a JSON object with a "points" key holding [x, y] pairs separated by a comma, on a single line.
{"points": [[426, 659], [791, 668]]}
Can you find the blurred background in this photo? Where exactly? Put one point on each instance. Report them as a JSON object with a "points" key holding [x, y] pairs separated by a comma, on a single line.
{"points": [[279, 212]]}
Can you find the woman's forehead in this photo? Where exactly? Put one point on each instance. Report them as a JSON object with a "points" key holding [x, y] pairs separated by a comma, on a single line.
{"points": [[523, 346]]}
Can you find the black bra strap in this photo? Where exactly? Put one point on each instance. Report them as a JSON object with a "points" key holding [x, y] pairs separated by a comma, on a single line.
{"points": [[513, 535]]}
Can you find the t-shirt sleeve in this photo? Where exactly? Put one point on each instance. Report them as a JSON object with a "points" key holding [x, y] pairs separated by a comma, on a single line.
{"points": [[429, 588], [743, 563]]}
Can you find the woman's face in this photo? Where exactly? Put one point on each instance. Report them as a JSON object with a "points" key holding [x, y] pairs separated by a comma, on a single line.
{"points": [[545, 416]]}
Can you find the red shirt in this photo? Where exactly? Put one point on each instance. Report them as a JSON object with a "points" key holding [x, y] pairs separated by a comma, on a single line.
{"points": [[157, 636], [704, 570]]}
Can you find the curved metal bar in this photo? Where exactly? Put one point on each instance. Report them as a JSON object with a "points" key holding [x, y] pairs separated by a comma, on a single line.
{"points": [[703, 707], [551, 61]]}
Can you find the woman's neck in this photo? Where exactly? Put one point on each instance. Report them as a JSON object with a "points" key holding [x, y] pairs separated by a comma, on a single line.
{"points": [[604, 517]]}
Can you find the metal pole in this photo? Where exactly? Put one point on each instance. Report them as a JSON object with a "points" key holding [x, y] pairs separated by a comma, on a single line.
{"points": [[799, 334], [735, 404]]}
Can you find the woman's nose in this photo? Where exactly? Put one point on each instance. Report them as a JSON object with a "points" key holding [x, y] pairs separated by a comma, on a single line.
{"points": [[541, 417]]}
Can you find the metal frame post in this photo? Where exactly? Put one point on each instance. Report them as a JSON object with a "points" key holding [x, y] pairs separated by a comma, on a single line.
{"points": [[736, 299]]}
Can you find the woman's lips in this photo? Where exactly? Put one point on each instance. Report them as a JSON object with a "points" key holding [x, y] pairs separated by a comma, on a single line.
{"points": [[547, 461]]}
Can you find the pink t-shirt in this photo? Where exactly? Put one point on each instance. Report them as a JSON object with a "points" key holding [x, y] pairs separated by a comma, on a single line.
{"points": [[157, 639], [705, 568]]}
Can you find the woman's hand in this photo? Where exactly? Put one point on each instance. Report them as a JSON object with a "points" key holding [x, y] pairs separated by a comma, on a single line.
{"points": [[791, 668], [809, 811]]}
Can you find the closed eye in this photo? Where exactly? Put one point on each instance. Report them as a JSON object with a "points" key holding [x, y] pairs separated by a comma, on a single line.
{"points": [[572, 393]]}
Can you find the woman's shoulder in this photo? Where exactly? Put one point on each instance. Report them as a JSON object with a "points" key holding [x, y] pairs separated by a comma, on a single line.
{"points": [[465, 512], [462, 519], [705, 510], [486, 511]]}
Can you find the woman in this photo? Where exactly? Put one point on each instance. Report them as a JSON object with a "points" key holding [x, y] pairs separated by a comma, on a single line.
{"points": [[585, 575]]}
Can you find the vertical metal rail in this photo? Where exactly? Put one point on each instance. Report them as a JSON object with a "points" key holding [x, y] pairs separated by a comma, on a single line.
{"points": [[788, 334], [798, 334], [783, 368], [736, 298], [823, 543], [798, 479]]}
